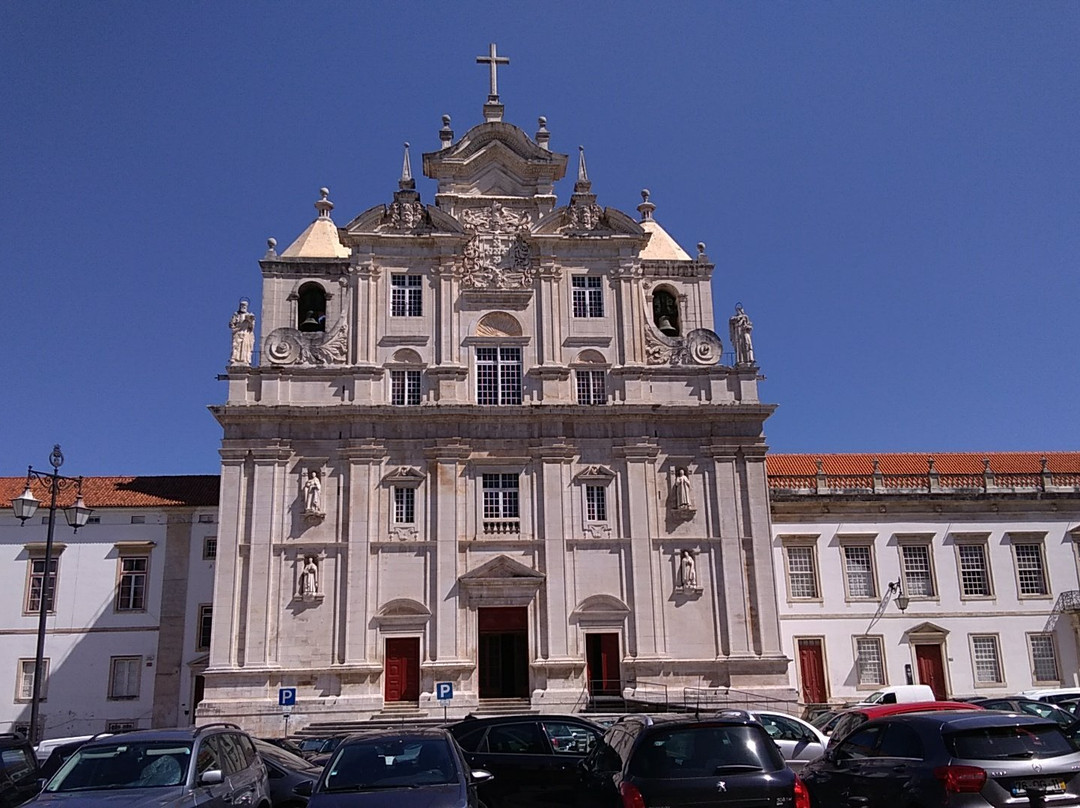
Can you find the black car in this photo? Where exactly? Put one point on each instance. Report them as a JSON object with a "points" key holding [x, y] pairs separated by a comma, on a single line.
{"points": [[534, 757], [291, 777], [950, 759], [411, 768], [725, 759], [1042, 709], [18, 770]]}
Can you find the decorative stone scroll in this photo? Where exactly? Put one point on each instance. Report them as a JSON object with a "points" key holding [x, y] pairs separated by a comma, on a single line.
{"points": [[289, 346], [497, 256], [700, 347]]}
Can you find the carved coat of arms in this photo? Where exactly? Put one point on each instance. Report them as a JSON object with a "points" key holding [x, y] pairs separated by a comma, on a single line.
{"points": [[497, 256]]}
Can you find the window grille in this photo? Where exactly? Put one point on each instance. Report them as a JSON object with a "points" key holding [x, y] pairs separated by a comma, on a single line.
{"points": [[209, 548], [860, 571], [405, 387], [987, 659], [918, 576], [588, 296], [802, 576], [1044, 662], [501, 514], [1029, 569], [590, 387], [406, 296], [595, 503], [869, 661], [404, 506], [974, 578], [498, 376]]}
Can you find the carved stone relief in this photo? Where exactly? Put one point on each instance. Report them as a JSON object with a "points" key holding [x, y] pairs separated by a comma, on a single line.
{"points": [[288, 346], [497, 256], [405, 217]]}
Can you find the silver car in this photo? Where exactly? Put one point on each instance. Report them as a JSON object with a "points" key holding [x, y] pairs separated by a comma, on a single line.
{"points": [[799, 741], [949, 759]]}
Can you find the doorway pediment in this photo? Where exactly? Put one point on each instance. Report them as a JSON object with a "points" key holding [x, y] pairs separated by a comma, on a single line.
{"points": [[926, 632], [501, 581]]}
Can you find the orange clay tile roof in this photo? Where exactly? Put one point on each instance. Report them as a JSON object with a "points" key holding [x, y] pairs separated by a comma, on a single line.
{"points": [[910, 469], [189, 490]]}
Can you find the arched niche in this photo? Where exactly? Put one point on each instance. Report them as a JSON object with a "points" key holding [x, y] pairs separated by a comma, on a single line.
{"points": [[498, 324]]}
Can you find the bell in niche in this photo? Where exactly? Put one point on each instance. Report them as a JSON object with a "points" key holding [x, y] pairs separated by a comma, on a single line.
{"points": [[310, 323], [666, 313]]}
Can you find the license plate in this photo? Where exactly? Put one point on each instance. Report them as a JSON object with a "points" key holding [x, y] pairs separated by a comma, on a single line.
{"points": [[1048, 786]]}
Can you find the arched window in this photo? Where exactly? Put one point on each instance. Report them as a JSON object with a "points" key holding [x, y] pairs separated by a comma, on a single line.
{"points": [[666, 312], [311, 308]]}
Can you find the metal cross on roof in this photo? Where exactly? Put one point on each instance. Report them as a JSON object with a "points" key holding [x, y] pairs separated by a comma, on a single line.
{"points": [[493, 61]]}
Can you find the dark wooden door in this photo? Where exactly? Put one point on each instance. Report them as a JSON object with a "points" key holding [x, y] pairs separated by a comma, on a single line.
{"points": [[503, 652], [931, 669], [603, 660], [812, 671], [403, 669]]}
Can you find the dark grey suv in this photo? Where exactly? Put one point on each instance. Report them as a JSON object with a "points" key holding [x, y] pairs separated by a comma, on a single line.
{"points": [[724, 759], [948, 759], [212, 766]]}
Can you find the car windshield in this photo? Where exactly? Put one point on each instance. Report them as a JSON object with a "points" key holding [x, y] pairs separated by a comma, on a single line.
{"points": [[1008, 743], [149, 764], [382, 763], [705, 752]]}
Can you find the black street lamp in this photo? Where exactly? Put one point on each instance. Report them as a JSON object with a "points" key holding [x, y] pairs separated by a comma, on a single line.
{"points": [[25, 506], [902, 600]]}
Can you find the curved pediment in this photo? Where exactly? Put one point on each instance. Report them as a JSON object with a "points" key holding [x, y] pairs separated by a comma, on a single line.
{"points": [[403, 218], [404, 607], [600, 610], [605, 222]]}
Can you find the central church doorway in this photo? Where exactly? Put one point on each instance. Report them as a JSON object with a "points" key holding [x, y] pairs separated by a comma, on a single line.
{"points": [[503, 652]]}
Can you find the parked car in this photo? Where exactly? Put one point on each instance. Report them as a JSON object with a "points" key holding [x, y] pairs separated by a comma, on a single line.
{"points": [[855, 717], [418, 768], [19, 777], [952, 759], [799, 741], [313, 747], [899, 694], [171, 768], [727, 757], [291, 776], [287, 744], [1042, 709], [533, 758], [826, 721], [1051, 694]]}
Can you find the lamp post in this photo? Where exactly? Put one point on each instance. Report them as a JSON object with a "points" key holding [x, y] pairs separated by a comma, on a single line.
{"points": [[902, 600], [24, 507]]}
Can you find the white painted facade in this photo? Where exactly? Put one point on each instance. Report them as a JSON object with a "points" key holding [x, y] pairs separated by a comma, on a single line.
{"points": [[114, 658]]}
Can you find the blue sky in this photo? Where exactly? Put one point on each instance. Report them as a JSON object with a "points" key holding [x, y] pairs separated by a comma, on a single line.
{"points": [[892, 190]]}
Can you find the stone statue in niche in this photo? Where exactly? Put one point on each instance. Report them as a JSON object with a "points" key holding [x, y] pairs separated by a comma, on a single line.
{"points": [[740, 327], [682, 500], [313, 493], [687, 570], [242, 325], [308, 584]]}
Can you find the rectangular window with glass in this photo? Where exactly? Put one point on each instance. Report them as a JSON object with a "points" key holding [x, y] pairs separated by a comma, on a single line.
{"points": [[131, 591], [859, 571], [404, 387], [595, 503], [36, 582], [591, 387], [974, 573], [1044, 662], [1030, 570], [25, 686], [209, 548], [501, 514], [406, 295], [986, 655], [802, 572], [918, 574], [206, 623], [588, 296], [498, 375], [870, 661], [125, 673], [404, 506]]}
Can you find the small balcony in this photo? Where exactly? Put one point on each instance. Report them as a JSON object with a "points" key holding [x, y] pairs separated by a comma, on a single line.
{"points": [[501, 527]]}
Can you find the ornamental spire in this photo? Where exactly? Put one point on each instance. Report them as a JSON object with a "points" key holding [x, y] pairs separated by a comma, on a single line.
{"points": [[406, 183], [582, 186]]}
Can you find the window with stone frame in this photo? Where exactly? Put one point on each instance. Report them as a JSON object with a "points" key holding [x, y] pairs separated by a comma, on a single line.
{"points": [[35, 583], [498, 375], [802, 575], [916, 565], [591, 386], [501, 503], [870, 661], [588, 294], [125, 675], [131, 588], [24, 688], [974, 570], [1044, 661], [404, 506], [986, 659], [405, 388], [1030, 569], [859, 571], [209, 548], [205, 627], [595, 503], [406, 295]]}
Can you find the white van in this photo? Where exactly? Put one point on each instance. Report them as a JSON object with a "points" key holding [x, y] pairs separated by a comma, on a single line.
{"points": [[900, 694]]}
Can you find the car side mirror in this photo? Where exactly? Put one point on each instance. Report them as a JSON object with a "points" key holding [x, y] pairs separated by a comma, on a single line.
{"points": [[211, 777], [481, 776]]}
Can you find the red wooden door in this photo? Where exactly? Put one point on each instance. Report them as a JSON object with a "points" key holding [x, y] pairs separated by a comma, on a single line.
{"points": [[931, 669], [603, 660], [403, 669], [812, 672]]}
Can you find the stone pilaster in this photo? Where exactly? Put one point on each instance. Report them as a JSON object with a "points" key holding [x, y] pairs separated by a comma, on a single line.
{"points": [[645, 635], [734, 600], [358, 528], [446, 464]]}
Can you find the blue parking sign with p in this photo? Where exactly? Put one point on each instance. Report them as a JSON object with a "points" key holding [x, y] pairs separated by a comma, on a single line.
{"points": [[286, 696], [444, 690]]}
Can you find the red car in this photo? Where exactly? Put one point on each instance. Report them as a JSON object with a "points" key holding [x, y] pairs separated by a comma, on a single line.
{"points": [[856, 717]]}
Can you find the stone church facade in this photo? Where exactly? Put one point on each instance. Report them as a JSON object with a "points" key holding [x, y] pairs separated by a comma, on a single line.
{"points": [[490, 440]]}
